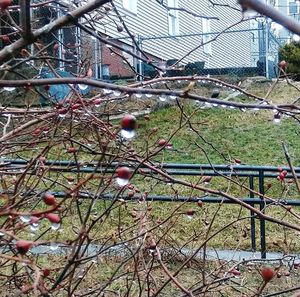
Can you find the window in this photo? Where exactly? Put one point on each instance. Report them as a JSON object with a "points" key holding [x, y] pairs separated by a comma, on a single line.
{"points": [[130, 5], [173, 17], [293, 8], [206, 37]]}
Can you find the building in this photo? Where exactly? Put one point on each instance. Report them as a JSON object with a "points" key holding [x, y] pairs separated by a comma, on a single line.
{"points": [[167, 33], [290, 8], [166, 30]]}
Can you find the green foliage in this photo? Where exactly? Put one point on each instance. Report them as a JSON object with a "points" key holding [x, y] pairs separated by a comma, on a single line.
{"points": [[291, 53]]}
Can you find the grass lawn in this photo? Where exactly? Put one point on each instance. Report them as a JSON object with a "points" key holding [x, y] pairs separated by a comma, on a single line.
{"points": [[218, 136]]}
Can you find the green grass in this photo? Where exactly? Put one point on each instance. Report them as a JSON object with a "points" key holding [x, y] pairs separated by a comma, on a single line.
{"points": [[224, 135], [251, 136]]}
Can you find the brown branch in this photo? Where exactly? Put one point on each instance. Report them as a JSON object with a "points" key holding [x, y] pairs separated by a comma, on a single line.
{"points": [[174, 280], [223, 5], [289, 160], [16, 46], [181, 94], [26, 125], [269, 11], [259, 213], [186, 10], [25, 19]]}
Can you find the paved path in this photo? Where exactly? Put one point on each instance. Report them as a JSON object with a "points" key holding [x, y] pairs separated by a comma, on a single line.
{"points": [[211, 254]]}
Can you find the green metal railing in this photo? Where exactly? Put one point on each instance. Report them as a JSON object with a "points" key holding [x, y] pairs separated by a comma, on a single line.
{"points": [[255, 174]]}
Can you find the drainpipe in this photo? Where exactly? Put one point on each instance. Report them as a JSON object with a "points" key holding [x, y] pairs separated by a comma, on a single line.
{"points": [[267, 44]]}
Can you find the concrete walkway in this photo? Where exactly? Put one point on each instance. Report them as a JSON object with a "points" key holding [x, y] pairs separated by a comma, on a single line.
{"points": [[211, 254]]}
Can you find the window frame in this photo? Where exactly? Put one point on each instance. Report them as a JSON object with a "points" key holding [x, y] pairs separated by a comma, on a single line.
{"points": [[206, 28], [173, 18]]}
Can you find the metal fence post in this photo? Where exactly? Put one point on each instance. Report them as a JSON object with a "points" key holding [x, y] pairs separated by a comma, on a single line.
{"points": [[262, 221], [267, 47], [140, 72], [251, 195]]}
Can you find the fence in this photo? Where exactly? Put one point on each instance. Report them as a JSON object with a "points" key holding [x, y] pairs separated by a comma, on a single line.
{"points": [[240, 52], [256, 178], [245, 50]]}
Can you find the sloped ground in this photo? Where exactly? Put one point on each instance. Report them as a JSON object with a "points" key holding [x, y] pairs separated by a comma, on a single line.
{"points": [[223, 135]]}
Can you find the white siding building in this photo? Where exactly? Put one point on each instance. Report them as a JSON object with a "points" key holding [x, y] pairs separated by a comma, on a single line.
{"points": [[170, 33]]}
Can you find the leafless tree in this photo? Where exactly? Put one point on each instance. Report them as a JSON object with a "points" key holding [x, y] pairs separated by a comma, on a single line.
{"points": [[78, 210]]}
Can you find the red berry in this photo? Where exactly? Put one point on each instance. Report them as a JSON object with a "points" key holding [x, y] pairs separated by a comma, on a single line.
{"points": [[71, 150], [97, 101], [238, 161], [267, 274], [235, 272], [23, 246], [128, 122], [70, 179], [34, 220], [62, 111], [56, 46], [207, 179], [162, 142], [49, 199], [5, 39], [5, 3], [190, 212], [46, 272], [53, 218], [76, 106], [282, 64], [37, 132], [130, 194], [124, 172], [282, 175], [200, 203], [279, 169], [42, 159], [284, 172]]}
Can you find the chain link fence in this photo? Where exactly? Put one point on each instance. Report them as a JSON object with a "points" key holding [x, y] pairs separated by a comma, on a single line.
{"points": [[248, 52]]}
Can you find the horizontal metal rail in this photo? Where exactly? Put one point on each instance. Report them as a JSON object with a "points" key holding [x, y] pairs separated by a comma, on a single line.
{"points": [[260, 173], [164, 165], [171, 168], [165, 198]]}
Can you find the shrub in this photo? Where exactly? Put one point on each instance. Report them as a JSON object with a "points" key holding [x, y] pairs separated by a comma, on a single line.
{"points": [[291, 53]]}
